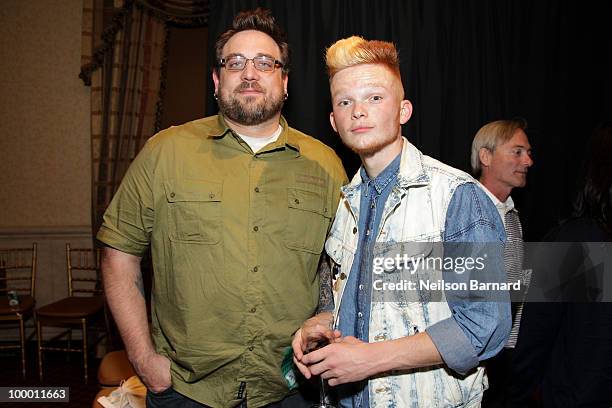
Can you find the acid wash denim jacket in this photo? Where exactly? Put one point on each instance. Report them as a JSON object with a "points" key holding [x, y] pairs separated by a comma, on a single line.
{"points": [[416, 211]]}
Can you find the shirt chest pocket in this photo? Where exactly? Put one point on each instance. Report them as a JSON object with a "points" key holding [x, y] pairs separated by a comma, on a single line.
{"points": [[194, 211], [308, 220]]}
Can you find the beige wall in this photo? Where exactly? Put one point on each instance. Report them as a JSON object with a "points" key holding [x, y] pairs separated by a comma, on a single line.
{"points": [[44, 135], [44, 116]]}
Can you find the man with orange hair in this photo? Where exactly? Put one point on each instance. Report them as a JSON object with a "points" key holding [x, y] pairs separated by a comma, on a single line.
{"points": [[416, 346]]}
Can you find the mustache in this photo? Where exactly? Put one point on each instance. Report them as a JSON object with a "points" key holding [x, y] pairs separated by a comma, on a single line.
{"points": [[249, 85], [360, 125]]}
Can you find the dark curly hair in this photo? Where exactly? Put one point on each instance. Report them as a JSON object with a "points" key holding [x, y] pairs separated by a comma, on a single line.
{"points": [[260, 20]]}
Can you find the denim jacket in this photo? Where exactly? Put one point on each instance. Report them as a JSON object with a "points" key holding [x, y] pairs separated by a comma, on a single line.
{"points": [[416, 211]]}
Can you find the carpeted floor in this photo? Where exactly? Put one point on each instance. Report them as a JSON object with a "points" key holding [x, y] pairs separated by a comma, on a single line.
{"points": [[58, 369]]}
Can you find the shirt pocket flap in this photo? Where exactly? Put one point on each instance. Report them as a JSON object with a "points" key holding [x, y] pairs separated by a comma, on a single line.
{"points": [[193, 190], [307, 201]]}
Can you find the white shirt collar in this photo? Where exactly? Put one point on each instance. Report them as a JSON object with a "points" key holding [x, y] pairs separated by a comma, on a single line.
{"points": [[257, 143], [504, 207]]}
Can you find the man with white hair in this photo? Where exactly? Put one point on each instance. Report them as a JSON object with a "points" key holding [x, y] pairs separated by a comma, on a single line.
{"points": [[501, 158]]}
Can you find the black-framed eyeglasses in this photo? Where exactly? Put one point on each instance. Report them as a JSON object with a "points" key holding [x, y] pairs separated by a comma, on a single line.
{"points": [[261, 63]]}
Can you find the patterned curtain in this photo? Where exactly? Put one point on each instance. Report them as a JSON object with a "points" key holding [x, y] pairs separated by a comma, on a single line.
{"points": [[124, 54]]}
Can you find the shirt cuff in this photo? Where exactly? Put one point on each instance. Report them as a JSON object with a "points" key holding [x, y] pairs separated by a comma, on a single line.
{"points": [[453, 345], [115, 240]]}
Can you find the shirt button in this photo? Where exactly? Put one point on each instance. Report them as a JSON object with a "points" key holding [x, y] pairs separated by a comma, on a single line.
{"points": [[256, 228], [360, 287], [255, 269], [251, 348], [354, 230], [360, 315], [343, 276], [253, 310], [257, 189]]}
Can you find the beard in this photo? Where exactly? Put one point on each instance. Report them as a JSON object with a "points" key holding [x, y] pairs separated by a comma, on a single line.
{"points": [[249, 112], [370, 145]]}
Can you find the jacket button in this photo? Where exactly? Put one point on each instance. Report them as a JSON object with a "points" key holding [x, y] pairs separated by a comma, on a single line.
{"points": [[256, 228], [296, 201], [343, 276], [172, 195], [354, 230], [211, 196]]}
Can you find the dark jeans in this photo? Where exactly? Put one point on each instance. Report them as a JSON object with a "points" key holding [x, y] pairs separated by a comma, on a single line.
{"points": [[172, 399], [565, 351], [499, 371]]}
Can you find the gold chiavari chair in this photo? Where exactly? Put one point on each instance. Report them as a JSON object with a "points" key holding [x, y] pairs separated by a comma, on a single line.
{"points": [[83, 308], [17, 286]]}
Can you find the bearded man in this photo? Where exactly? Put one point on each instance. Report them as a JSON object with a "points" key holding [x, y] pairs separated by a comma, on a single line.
{"points": [[235, 208]]}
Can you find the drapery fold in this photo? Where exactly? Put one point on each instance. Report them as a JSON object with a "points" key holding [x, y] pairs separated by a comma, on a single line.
{"points": [[124, 55], [124, 93]]}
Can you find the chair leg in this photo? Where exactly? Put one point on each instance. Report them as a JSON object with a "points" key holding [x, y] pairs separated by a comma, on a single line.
{"points": [[110, 342], [84, 325], [39, 338], [22, 339], [69, 343]]}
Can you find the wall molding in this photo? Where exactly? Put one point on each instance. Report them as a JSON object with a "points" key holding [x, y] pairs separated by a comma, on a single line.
{"points": [[45, 232]]}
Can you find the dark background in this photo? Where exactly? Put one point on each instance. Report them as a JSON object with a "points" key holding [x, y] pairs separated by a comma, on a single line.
{"points": [[463, 63]]}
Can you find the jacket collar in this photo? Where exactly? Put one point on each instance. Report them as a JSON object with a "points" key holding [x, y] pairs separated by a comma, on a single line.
{"points": [[411, 171]]}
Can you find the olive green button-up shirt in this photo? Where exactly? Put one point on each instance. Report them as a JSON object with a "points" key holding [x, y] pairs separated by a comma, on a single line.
{"points": [[235, 239]]}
